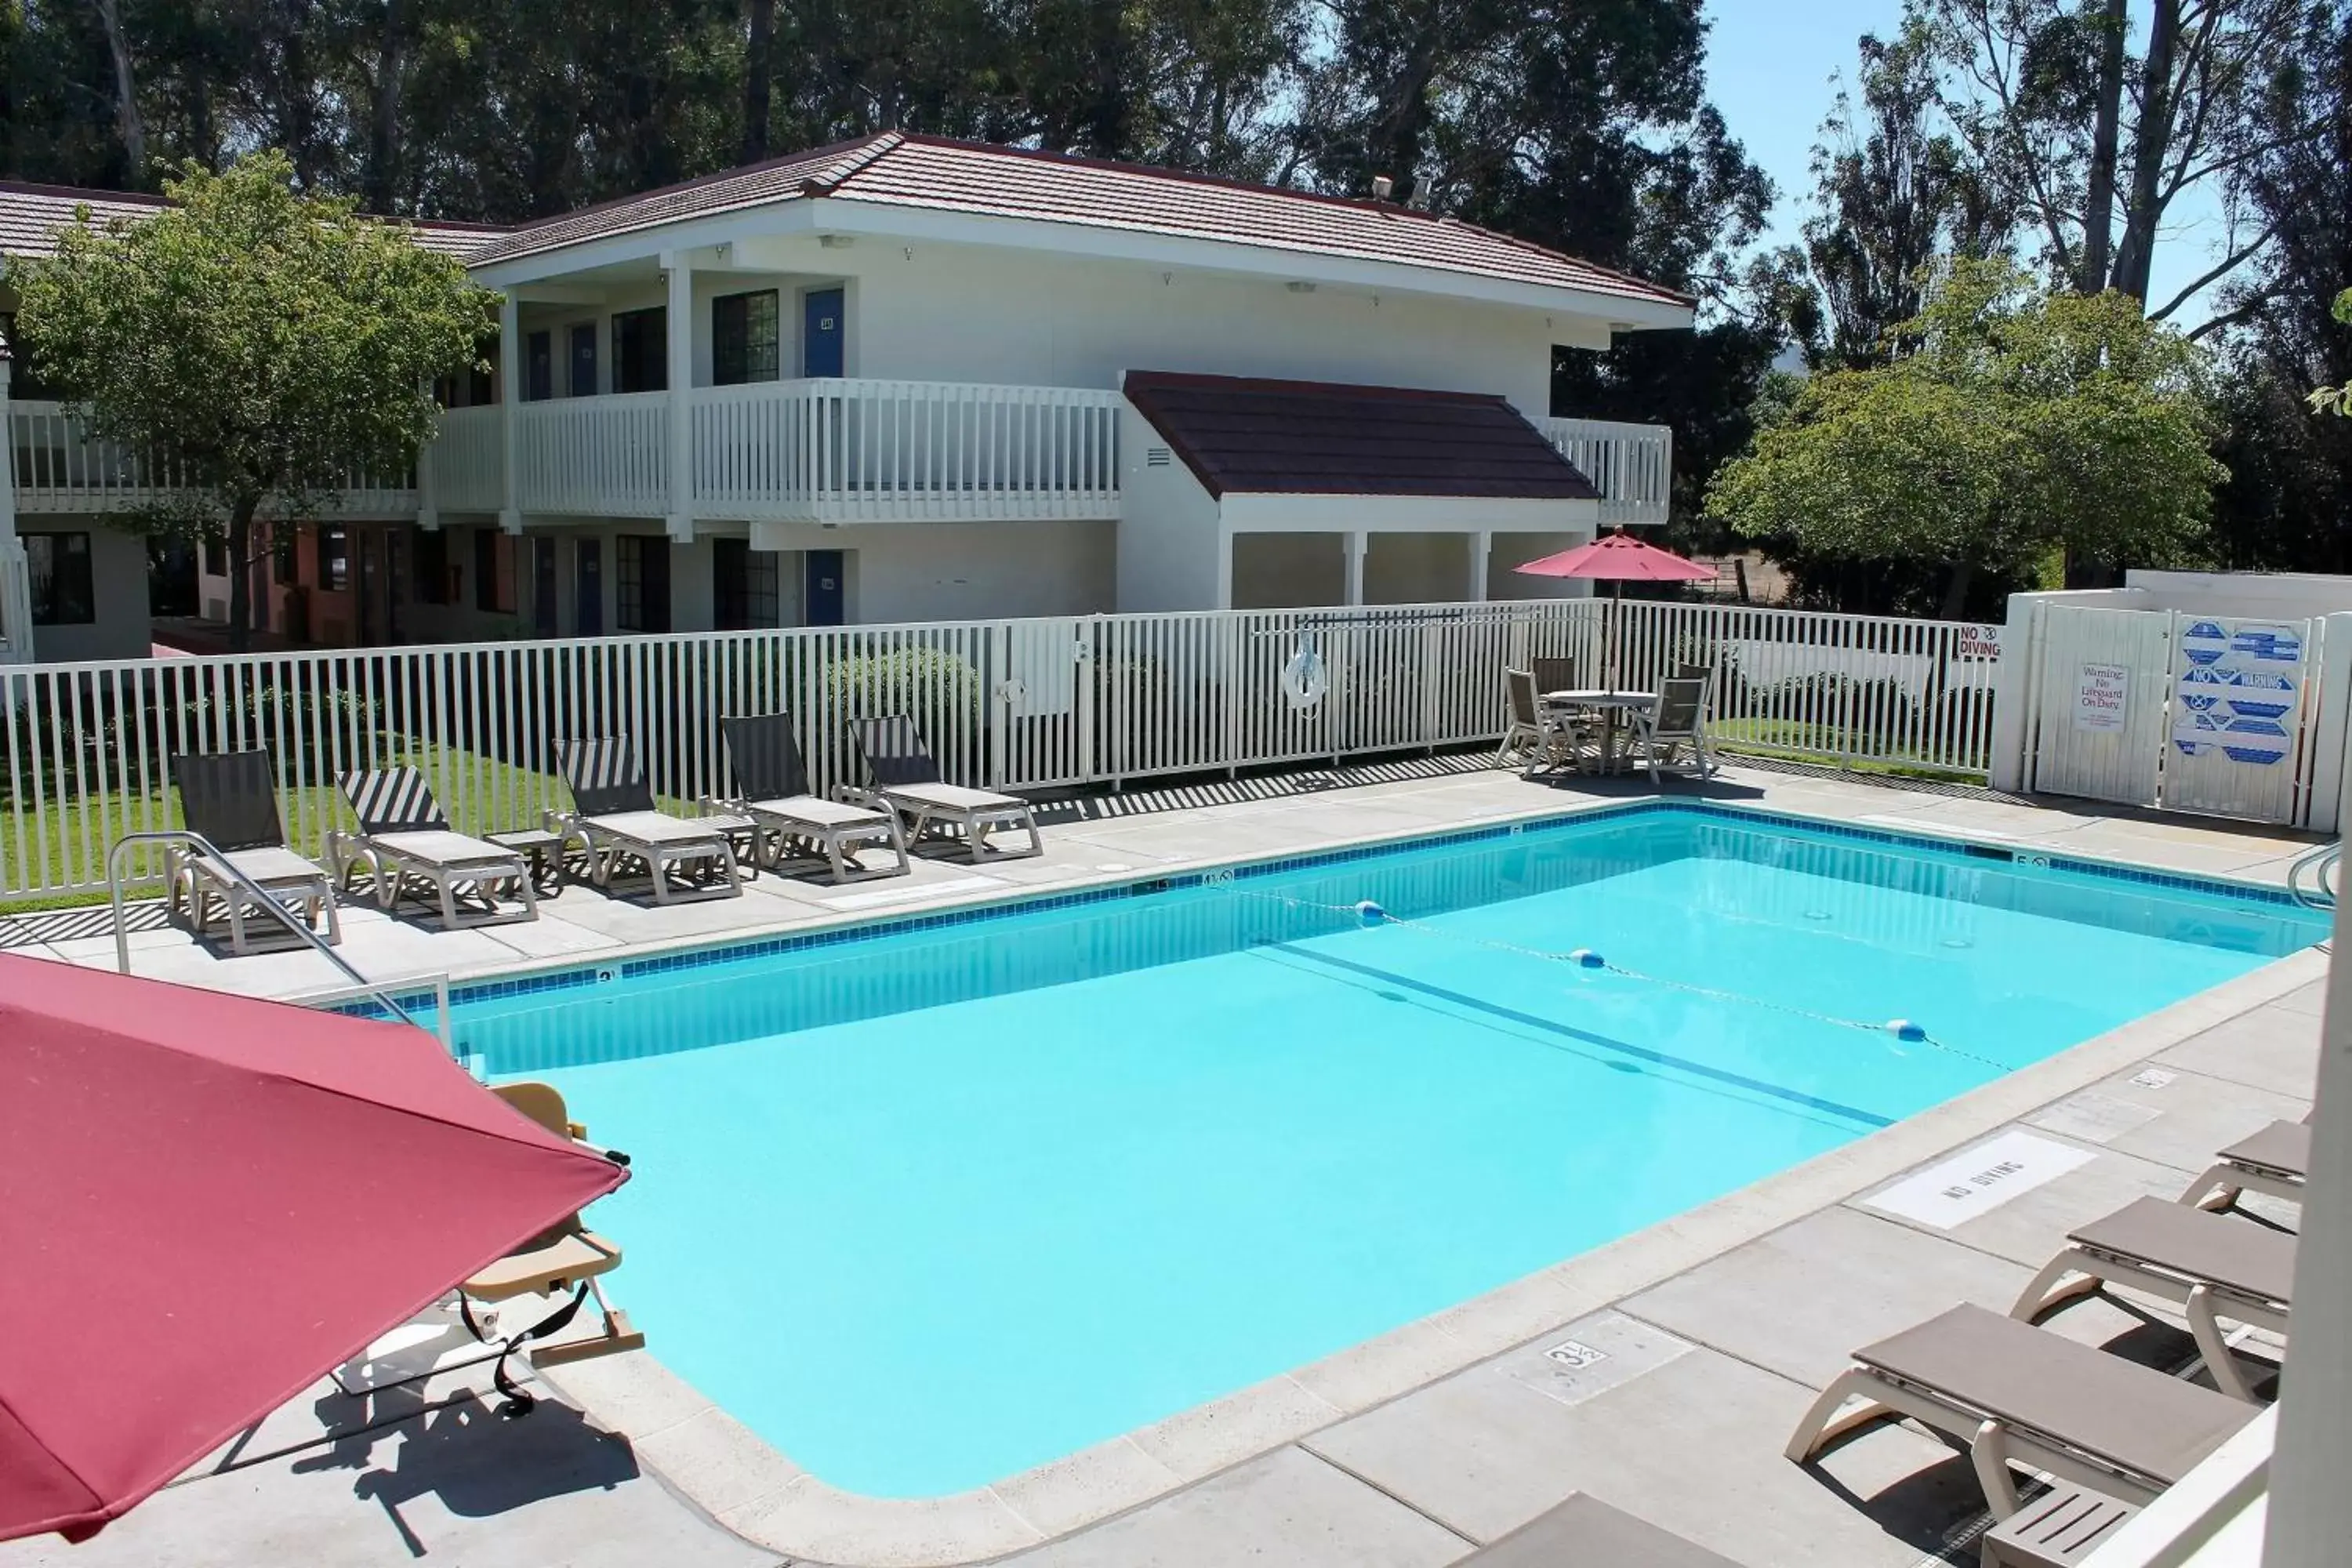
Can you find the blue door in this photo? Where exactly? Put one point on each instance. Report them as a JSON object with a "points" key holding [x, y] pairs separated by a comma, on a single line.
{"points": [[823, 598], [821, 334], [588, 587]]}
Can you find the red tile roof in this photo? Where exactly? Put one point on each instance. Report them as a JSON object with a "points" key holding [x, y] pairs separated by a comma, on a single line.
{"points": [[30, 216], [933, 172], [1307, 438]]}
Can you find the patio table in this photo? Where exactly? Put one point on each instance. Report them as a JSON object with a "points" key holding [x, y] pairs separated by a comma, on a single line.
{"points": [[1620, 712]]}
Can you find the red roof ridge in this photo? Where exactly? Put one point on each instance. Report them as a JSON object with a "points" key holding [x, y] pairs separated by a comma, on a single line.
{"points": [[81, 192], [1617, 272], [1163, 172], [609, 204]]}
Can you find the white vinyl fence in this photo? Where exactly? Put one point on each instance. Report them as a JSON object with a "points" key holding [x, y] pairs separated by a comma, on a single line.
{"points": [[1023, 705]]}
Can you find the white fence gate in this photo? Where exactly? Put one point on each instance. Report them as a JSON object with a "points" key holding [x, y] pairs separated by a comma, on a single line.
{"points": [[2191, 713], [1016, 704]]}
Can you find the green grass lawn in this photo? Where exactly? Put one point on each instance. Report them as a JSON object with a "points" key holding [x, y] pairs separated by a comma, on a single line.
{"points": [[1825, 743], [480, 795]]}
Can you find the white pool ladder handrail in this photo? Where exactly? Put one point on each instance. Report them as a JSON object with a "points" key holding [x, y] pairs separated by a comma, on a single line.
{"points": [[360, 984], [2319, 866]]}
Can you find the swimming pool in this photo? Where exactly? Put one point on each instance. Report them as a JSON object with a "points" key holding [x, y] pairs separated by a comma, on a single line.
{"points": [[929, 1206]]}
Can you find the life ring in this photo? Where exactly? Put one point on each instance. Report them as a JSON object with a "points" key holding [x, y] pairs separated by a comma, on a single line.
{"points": [[1304, 680]]}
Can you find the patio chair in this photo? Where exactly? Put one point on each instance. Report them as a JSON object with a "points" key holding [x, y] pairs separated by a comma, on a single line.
{"points": [[2275, 1161], [1539, 736], [2209, 1264], [231, 798], [907, 781], [774, 780], [2015, 1394], [405, 841], [1678, 719], [1554, 675], [614, 817], [1585, 1530], [566, 1257]]}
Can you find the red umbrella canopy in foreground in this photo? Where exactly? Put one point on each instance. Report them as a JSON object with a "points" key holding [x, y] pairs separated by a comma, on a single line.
{"points": [[1618, 558], [207, 1202]]}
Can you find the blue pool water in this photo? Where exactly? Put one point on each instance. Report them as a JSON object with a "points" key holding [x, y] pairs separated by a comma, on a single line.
{"points": [[927, 1209]]}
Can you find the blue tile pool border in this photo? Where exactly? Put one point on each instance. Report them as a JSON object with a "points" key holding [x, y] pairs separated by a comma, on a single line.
{"points": [[576, 976]]}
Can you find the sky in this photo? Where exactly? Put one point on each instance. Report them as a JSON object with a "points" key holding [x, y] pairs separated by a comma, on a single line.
{"points": [[1770, 70]]}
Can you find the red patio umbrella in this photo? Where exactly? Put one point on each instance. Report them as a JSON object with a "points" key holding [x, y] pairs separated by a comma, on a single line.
{"points": [[207, 1202], [1618, 559]]}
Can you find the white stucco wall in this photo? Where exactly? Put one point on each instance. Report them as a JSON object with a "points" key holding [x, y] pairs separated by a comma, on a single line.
{"points": [[959, 571], [117, 577], [1289, 571], [970, 313], [1417, 568], [1514, 550], [1168, 526]]}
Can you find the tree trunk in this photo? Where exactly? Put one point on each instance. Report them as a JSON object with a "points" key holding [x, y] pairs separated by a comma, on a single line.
{"points": [[2152, 136], [1956, 589], [384, 140], [758, 61], [127, 124], [2099, 202], [240, 572]]}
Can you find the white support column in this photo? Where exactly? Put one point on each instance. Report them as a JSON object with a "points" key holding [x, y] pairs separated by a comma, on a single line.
{"points": [[1358, 542], [679, 324], [1224, 600], [1482, 550], [15, 575], [510, 419], [428, 506], [2310, 1507]]}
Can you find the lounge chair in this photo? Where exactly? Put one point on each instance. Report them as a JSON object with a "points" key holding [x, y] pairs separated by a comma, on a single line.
{"points": [[617, 822], [773, 781], [1678, 719], [2214, 1266], [2275, 1161], [2016, 1394], [405, 841], [1540, 737], [907, 781], [566, 1257], [231, 798], [1585, 1532]]}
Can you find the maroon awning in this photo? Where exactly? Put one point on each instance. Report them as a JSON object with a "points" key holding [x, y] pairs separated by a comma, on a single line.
{"points": [[207, 1202]]}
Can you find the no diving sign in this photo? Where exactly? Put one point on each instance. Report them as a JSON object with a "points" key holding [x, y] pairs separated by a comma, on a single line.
{"points": [[1977, 1180]]}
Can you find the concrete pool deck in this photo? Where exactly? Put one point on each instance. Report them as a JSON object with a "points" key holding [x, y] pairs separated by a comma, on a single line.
{"points": [[1713, 1329]]}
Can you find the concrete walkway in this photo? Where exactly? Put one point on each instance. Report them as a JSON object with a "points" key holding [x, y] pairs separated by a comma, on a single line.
{"points": [[1689, 1351]]}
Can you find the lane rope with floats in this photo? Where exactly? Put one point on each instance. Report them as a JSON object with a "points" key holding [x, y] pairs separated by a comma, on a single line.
{"points": [[1371, 915]]}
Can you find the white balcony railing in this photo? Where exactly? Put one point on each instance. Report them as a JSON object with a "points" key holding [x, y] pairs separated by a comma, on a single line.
{"points": [[469, 460], [60, 468], [595, 457], [854, 451], [1632, 465]]}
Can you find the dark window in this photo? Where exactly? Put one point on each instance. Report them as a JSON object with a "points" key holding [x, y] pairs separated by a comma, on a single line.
{"points": [[642, 589], [582, 382], [742, 586], [63, 595], [539, 358], [743, 338], [640, 351], [281, 552], [24, 386], [334, 557], [216, 557], [481, 386], [486, 569], [432, 566]]}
